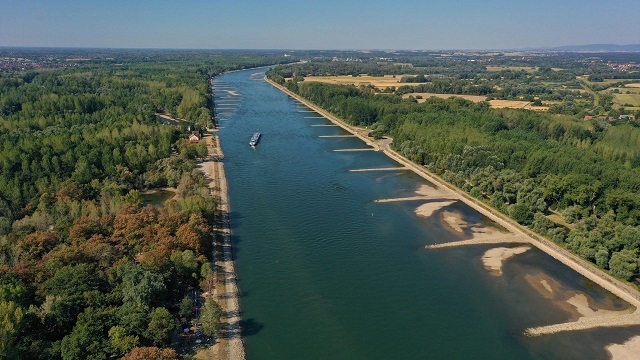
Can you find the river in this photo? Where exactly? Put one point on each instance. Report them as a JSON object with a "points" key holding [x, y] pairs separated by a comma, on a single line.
{"points": [[327, 273]]}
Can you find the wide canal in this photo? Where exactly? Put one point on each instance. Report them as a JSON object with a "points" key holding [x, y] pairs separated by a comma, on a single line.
{"points": [[327, 273]]}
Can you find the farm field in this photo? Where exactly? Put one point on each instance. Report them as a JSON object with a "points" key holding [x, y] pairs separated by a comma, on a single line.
{"points": [[633, 99], [425, 96], [626, 95], [497, 104], [606, 81], [381, 82], [516, 104]]}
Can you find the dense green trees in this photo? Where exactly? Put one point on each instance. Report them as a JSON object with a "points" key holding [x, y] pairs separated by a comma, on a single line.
{"points": [[210, 318], [10, 318]]}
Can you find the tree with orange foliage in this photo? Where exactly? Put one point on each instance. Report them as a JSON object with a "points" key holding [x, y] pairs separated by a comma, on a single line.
{"points": [[130, 225], [34, 246], [195, 235], [86, 227], [151, 353]]}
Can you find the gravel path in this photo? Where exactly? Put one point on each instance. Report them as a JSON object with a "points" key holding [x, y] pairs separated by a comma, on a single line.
{"points": [[230, 344]]}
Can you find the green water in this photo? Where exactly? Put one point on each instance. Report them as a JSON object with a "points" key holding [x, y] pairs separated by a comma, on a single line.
{"points": [[326, 273]]}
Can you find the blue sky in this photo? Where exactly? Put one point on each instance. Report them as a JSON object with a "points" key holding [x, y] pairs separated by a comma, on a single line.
{"points": [[319, 24]]}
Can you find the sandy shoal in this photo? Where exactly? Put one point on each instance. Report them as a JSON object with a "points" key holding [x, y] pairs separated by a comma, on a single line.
{"points": [[629, 350], [426, 210], [545, 285], [581, 303], [427, 190], [577, 304], [494, 258], [454, 220]]}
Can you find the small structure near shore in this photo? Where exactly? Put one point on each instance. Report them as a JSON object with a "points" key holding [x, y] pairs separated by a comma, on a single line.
{"points": [[195, 136]]}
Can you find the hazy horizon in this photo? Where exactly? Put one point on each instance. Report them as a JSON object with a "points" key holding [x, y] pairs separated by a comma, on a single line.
{"points": [[327, 25]]}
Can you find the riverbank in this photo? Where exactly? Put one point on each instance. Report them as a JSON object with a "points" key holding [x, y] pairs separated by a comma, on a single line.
{"points": [[229, 345], [581, 266]]}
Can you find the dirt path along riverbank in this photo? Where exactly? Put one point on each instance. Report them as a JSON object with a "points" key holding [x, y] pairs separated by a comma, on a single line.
{"points": [[229, 345]]}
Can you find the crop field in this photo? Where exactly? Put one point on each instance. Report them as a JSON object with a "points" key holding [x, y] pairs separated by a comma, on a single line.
{"points": [[425, 96], [633, 99], [496, 104], [634, 85], [381, 82], [606, 81], [516, 104]]}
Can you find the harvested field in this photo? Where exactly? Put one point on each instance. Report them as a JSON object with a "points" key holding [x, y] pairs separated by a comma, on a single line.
{"points": [[633, 99], [381, 82], [634, 85], [425, 96], [516, 104]]}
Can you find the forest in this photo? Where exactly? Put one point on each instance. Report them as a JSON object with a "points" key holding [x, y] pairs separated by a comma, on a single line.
{"points": [[88, 268], [574, 181]]}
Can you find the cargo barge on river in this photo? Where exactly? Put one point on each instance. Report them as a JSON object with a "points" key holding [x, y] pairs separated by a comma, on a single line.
{"points": [[254, 139]]}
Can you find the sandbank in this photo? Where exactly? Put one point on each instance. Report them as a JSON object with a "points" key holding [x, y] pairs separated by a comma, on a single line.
{"points": [[577, 304], [493, 258], [454, 220], [545, 285], [431, 191], [426, 210], [629, 350], [581, 303]]}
